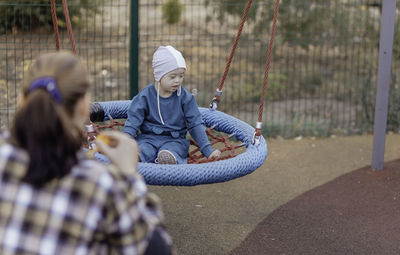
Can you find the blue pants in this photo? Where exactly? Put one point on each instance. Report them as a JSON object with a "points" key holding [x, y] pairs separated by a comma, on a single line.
{"points": [[150, 145]]}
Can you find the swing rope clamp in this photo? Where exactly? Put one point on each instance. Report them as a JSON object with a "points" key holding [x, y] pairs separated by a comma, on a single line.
{"points": [[257, 134], [214, 104], [215, 101], [90, 140]]}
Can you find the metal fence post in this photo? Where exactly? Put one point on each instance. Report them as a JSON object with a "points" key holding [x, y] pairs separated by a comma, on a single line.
{"points": [[134, 49], [382, 90]]}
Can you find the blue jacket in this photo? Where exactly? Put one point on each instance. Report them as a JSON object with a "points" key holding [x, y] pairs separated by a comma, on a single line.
{"points": [[180, 114]]}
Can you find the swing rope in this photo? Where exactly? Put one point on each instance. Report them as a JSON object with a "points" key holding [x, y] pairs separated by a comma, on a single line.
{"points": [[257, 132], [216, 99], [67, 21]]}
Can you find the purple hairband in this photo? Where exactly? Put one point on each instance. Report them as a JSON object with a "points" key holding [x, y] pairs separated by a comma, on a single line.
{"points": [[49, 84]]}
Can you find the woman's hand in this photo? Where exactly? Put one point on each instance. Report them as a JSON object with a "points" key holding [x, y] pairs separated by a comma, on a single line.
{"points": [[122, 150], [214, 154]]}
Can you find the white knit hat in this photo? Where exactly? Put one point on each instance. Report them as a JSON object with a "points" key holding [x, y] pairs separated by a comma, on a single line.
{"points": [[165, 60]]}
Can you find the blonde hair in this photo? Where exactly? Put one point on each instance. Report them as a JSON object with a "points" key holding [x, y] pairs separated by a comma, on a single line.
{"points": [[42, 126], [68, 71]]}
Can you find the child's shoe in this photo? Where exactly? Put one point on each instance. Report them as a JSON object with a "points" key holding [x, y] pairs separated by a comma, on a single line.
{"points": [[166, 157]]}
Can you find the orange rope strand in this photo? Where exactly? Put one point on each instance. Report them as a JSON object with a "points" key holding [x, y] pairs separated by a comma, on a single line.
{"points": [[267, 65], [68, 22], [55, 24], [69, 26], [228, 64]]}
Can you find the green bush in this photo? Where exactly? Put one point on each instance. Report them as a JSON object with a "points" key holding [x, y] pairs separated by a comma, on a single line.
{"points": [[23, 15], [311, 83], [250, 92], [301, 23], [172, 11]]}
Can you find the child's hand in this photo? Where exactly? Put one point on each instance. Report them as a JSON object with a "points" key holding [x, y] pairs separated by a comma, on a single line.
{"points": [[120, 149], [215, 154]]}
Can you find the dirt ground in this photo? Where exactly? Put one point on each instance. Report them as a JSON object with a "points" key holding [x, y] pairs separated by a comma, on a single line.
{"points": [[216, 218]]}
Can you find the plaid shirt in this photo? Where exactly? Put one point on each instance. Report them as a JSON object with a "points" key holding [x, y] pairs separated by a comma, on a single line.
{"points": [[93, 210]]}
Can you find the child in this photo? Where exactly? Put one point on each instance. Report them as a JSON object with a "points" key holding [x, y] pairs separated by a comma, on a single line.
{"points": [[164, 111]]}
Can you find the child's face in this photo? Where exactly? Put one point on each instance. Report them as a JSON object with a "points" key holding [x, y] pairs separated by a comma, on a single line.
{"points": [[170, 82]]}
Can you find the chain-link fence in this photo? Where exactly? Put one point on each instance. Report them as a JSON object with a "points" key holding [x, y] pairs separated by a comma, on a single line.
{"points": [[101, 31], [322, 79]]}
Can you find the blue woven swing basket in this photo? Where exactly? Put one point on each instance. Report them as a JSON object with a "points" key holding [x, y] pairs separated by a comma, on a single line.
{"points": [[195, 174]]}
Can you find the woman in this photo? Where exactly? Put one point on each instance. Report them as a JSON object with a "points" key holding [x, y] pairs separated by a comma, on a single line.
{"points": [[54, 199]]}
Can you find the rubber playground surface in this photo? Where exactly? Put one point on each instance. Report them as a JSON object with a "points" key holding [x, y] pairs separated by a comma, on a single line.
{"points": [[311, 196]]}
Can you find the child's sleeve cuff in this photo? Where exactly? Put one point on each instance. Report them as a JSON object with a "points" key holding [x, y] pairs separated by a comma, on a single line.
{"points": [[207, 150]]}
